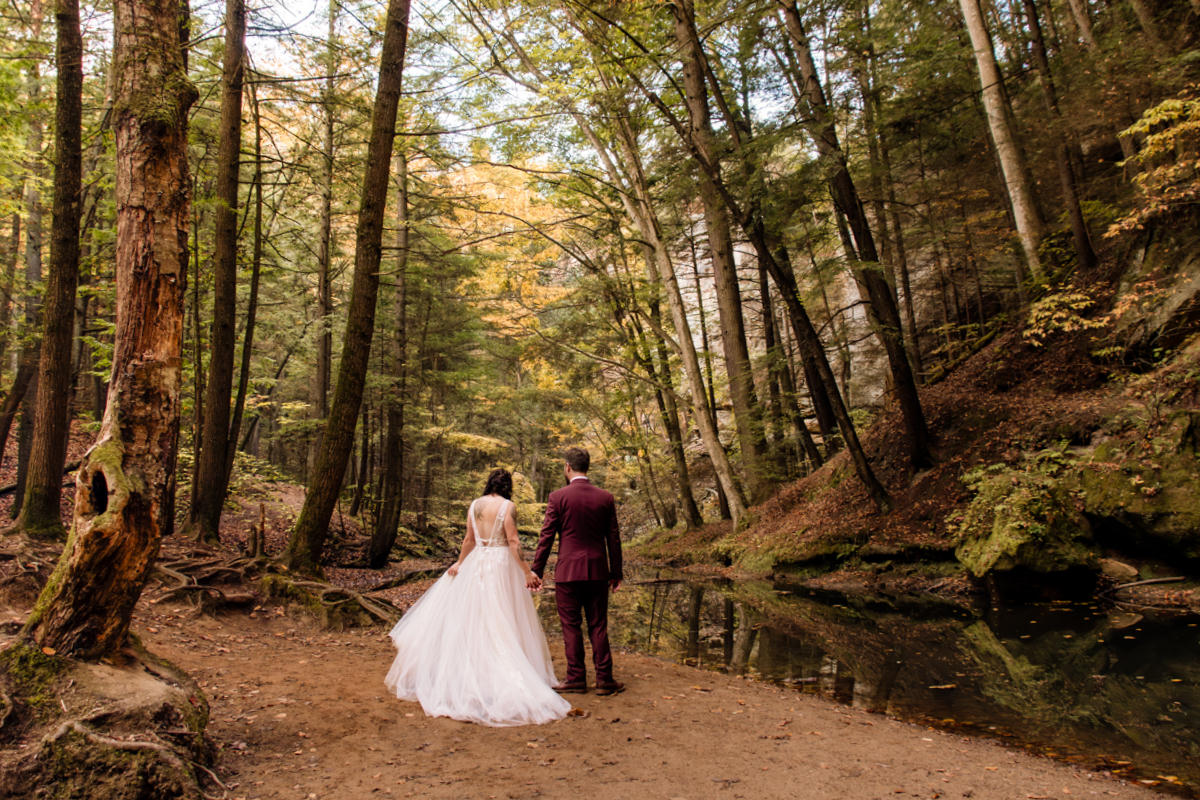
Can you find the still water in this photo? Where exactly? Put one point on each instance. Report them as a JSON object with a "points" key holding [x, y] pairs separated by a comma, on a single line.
{"points": [[1104, 687]]}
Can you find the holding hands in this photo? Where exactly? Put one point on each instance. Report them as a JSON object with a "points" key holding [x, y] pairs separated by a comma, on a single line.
{"points": [[532, 581]]}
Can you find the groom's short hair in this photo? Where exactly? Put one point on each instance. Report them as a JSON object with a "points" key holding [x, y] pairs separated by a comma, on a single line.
{"points": [[577, 459]]}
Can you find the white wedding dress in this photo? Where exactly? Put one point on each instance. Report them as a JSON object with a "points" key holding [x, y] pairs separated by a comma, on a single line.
{"points": [[472, 647]]}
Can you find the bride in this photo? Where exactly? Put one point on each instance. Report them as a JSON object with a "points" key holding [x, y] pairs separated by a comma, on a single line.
{"points": [[472, 647]]}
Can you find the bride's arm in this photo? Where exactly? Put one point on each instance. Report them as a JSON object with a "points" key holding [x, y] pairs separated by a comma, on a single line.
{"points": [[514, 547], [467, 546]]}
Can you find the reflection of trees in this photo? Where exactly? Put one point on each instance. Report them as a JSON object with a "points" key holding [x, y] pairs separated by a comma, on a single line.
{"points": [[1066, 688]]}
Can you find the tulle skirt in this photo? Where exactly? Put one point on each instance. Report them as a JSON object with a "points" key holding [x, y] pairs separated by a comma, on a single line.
{"points": [[472, 648]]}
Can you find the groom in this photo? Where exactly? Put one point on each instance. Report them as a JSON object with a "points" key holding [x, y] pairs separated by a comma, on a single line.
{"points": [[589, 564]]}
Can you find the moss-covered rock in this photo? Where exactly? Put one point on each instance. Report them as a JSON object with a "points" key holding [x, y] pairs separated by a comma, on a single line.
{"points": [[1024, 517]]}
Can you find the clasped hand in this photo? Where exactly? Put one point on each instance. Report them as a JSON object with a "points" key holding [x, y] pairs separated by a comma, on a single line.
{"points": [[532, 581]]}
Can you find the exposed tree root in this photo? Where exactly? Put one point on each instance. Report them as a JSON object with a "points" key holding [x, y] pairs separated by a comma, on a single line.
{"points": [[335, 607]]}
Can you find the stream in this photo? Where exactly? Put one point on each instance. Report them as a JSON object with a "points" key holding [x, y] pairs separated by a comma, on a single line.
{"points": [[1104, 687]]}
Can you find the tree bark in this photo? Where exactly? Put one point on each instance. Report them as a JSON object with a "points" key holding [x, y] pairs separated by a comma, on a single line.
{"points": [[205, 516], [747, 415], [7, 284], [40, 513], [239, 403], [1012, 163], [387, 523], [308, 538], [320, 387], [122, 489], [1062, 152], [880, 296]]}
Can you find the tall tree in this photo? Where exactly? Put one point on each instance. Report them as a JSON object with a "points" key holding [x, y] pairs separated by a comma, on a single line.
{"points": [[308, 537], [746, 412], [320, 387], [122, 489], [40, 512], [880, 296], [1017, 183], [387, 524], [212, 477]]}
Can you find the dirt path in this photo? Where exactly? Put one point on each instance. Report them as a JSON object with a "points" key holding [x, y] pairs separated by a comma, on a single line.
{"points": [[301, 713]]}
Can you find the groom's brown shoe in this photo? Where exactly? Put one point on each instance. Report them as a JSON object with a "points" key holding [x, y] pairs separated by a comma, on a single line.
{"points": [[575, 687], [604, 689]]}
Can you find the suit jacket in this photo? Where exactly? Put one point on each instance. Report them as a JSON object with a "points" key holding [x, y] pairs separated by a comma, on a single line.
{"points": [[585, 518]]}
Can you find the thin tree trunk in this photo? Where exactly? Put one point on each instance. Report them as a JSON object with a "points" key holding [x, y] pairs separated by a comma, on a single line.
{"points": [[320, 387], [308, 538], [747, 415], [122, 488], [881, 298], [239, 403], [387, 523], [214, 453], [6, 290], [1012, 163], [40, 513], [1083, 22], [1062, 152]]}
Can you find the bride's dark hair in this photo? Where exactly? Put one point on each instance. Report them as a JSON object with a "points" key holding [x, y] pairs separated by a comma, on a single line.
{"points": [[499, 482]]}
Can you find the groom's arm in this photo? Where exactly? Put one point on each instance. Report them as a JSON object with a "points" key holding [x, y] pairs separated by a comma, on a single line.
{"points": [[614, 546], [550, 527]]}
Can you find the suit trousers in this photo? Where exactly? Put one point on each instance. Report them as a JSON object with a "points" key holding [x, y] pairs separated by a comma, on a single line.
{"points": [[576, 599]]}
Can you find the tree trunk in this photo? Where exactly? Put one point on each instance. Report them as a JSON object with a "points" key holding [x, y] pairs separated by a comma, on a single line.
{"points": [[122, 488], [747, 415], [880, 296], [1012, 163], [1083, 23], [387, 523], [6, 290], [308, 538], [239, 403], [40, 513], [320, 387], [1062, 152], [214, 452]]}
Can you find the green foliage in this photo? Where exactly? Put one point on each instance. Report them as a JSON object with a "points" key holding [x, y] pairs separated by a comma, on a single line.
{"points": [[1057, 313], [1168, 161]]}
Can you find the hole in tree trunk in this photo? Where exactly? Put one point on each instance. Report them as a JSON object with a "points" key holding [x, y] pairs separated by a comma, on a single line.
{"points": [[99, 492]]}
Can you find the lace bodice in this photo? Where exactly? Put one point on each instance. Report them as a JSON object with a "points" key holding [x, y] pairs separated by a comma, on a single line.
{"points": [[496, 536]]}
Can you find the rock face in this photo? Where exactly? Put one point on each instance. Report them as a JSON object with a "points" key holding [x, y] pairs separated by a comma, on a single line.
{"points": [[1051, 514]]}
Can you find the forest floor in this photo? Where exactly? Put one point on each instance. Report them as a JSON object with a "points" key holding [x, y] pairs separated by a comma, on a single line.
{"points": [[301, 712]]}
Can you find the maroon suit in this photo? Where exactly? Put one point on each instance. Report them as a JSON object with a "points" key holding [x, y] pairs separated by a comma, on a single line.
{"points": [[589, 557]]}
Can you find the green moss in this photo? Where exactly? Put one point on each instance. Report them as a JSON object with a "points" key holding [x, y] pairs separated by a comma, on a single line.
{"points": [[33, 675], [1023, 516], [74, 767]]}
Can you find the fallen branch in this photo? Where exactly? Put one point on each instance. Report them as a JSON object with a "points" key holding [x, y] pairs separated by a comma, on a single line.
{"points": [[1147, 582]]}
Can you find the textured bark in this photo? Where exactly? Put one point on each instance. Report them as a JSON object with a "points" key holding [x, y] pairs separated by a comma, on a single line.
{"points": [[40, 512], [1028, 221], [122, 497], [747, 415], [308, 538], [211, 483]]}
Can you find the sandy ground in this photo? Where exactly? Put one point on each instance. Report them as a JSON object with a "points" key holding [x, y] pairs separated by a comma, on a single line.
{"points": [[302, 713]]}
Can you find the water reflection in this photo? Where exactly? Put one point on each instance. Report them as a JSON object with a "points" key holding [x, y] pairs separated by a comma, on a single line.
{"points": [[1104, 687]]}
